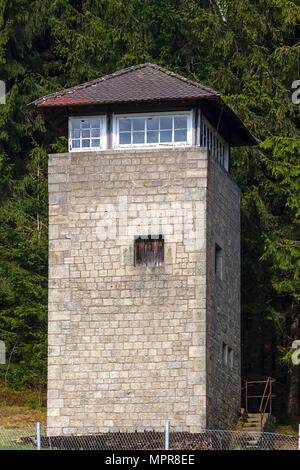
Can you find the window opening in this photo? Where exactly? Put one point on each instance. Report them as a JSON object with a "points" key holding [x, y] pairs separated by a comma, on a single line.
{"points": [[149, 251]]}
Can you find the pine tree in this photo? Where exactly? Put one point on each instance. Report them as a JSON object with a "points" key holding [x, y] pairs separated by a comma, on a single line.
{"points": [[249, 51]]}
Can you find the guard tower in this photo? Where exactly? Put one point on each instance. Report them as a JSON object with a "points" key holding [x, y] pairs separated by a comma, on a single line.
{"points": [[144, 256]]}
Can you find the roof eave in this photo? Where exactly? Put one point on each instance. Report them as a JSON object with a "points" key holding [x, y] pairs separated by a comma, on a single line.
{"points": [[240, 137], [46, 104], [249, 139]]}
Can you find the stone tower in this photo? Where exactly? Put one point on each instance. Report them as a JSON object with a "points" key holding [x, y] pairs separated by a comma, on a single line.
{"points": [[144, 256]]}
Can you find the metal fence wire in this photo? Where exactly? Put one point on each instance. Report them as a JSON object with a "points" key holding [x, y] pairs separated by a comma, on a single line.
{"points": [[28, 439], [18, 439]]}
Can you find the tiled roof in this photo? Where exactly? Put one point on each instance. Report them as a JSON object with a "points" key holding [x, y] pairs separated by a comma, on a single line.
{"points": [[148, 83], [141, 83]]}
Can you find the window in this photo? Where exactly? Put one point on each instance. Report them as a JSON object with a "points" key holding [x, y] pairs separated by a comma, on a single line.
{"points": [[230, 357], [149, 251], [227, 355], [215, 143], [153, 130], [218, 261], [87, 133]]}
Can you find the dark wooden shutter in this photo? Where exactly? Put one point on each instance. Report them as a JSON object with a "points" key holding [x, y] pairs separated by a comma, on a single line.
{"points": [[149, 251]]}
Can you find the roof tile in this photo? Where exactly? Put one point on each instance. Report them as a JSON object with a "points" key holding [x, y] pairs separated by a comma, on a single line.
{"points": [[146, 82]]}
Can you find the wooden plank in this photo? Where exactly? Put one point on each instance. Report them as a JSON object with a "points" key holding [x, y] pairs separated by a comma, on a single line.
{"points": [[149, 252]]}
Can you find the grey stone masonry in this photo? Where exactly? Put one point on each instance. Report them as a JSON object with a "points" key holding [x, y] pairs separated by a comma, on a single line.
{"points": [[223, 300], [132, 346]]}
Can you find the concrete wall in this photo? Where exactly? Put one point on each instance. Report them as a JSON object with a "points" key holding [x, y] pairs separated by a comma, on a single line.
{"points": [[128, 345]]}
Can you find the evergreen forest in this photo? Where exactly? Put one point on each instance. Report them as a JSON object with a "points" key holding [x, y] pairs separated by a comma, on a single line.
{"points": [[248, 50]]}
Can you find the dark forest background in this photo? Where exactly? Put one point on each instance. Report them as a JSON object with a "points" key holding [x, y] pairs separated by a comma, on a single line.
{"points": [[249, 50]]}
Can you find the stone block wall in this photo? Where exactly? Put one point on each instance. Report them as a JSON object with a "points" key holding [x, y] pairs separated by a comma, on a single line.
{"points": [[223, 299], [126, 343], [130, 346]]}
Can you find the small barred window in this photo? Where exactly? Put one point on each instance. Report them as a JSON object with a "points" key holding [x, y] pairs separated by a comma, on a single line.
{"points": [[149, 251]]}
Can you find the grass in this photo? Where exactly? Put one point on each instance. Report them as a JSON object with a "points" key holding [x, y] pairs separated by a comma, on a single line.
{"points": [[10, 439], [290, 430], [12, 417], [20, 410], [287, 425], [26, 397], [17, 447]]}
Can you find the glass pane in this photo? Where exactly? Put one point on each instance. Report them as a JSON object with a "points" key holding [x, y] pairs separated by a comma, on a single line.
{"points": [[95, 142], [96, 123], [180, 136], [85, 142], [138, 137], [75, 124], [76, 133], [86, 133], [125, 138], [85, 124], [76, 144], [166, 123], [166, 136], [152, 136], [180, 122], [152, 124], [95, 132], [125, 125], [138, 124]]}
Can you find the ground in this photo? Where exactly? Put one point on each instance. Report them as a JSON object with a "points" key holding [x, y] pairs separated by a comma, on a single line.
{"points": [[24, 408], [21, 408], [21, 417]]}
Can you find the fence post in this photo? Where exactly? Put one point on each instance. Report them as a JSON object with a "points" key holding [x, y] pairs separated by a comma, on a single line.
{"points": [[38, 436], [167, 435]]}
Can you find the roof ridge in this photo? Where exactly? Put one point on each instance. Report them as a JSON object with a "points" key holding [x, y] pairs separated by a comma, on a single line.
{"points": [[122, 72], [184, 79]]}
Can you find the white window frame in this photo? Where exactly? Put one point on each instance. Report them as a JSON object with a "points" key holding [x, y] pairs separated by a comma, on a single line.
{"points": [[215, 143], [117, 117], [103, 133]]}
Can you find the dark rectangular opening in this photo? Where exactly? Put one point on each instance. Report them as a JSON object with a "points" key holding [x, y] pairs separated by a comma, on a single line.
{"points": [[149, 251], [218, 261], [225, 353], [230, 357]]}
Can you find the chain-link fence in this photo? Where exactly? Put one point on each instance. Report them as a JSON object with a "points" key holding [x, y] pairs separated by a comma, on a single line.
{"points": [[36, 438], [18, 439]]}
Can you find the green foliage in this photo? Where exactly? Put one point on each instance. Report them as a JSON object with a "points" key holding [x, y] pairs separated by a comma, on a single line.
{"points": [[248, 50], [23, 274]]}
